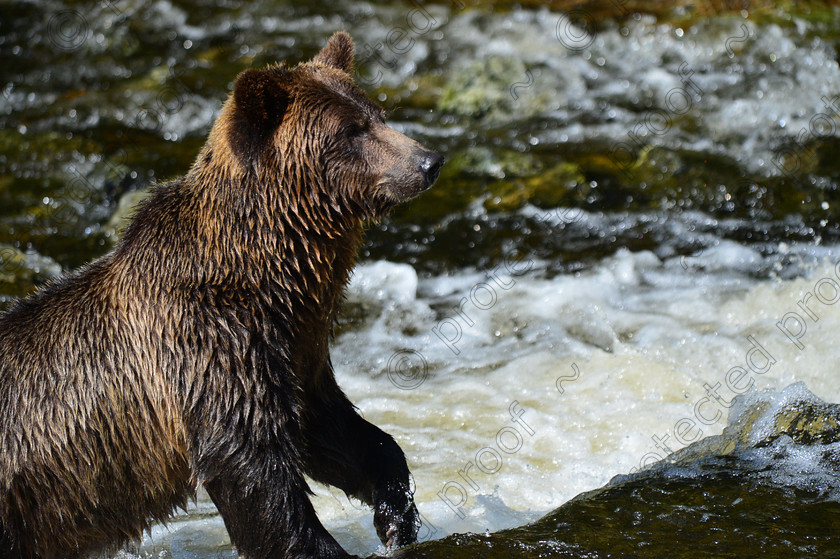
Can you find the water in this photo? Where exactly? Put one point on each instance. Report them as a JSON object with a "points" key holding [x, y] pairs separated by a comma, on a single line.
{"points": [[768, 482], [626, 222], [598, 364]]}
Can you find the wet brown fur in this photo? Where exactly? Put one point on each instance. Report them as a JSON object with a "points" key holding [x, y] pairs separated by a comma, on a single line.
{"points": [[197, 351]]}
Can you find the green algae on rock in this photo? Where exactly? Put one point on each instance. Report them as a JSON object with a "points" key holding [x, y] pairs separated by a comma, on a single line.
{"points": [[21, 271], [125, 209], [486, 88]]}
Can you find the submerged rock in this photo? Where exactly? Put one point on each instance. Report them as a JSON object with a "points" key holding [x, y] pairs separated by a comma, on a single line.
{"points": [[768, 486], [21, 271], [499, 87], [125, 210]]}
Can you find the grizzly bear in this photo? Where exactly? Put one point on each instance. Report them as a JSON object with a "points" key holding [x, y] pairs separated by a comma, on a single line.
{"points": [[196, 352]]}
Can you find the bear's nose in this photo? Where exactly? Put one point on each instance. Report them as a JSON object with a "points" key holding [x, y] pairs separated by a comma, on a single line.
{"points": [[430, 165]]}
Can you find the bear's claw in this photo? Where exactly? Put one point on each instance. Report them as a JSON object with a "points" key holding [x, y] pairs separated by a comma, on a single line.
{"points": [[396, 518], [392, 531]]}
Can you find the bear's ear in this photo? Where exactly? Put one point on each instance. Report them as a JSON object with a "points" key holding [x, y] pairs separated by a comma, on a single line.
{"points": [[338, 53], [260, 98]]}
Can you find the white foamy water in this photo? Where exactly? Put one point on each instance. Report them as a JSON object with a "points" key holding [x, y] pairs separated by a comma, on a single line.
{"points": [[538, 388]]}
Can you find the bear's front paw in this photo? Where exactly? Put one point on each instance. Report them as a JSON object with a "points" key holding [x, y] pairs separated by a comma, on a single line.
{"points": [[395, 516]]}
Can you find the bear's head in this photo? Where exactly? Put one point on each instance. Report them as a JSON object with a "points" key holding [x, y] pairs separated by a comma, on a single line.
{"points": [[311, 127]]}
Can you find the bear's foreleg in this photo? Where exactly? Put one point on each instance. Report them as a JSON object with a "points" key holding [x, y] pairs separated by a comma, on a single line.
{"points": [[8, 549], [348, 452]]}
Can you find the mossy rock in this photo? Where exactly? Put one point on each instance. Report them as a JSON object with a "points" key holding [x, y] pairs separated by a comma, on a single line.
{"points": [[125, 210], [486, 162], [12, 263], [21, 271], [810, 423], [483, 89], [550, 189], [476, 91]]}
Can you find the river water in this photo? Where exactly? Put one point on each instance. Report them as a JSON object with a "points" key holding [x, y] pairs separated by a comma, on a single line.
{"points": [[637, 222]]}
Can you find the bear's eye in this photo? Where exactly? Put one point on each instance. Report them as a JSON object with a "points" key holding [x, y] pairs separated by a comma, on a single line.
{"points": [[354, 130]]}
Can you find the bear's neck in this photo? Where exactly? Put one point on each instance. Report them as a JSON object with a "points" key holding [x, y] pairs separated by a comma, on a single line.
{"points": [[290, 245], [309, 263]]}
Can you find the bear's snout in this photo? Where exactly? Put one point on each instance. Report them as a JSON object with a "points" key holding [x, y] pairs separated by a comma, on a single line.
{"points": [[430, 164]]}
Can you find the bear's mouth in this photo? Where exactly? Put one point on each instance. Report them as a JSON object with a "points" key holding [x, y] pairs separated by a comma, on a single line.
{"points": [[402, 184], [399, 191]]}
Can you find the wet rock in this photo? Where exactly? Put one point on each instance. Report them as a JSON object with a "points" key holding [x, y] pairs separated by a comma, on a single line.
{"points": [[125, 209], [21, 271], [482, 161], [557, 186], [809, 423], [496, 88]]}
